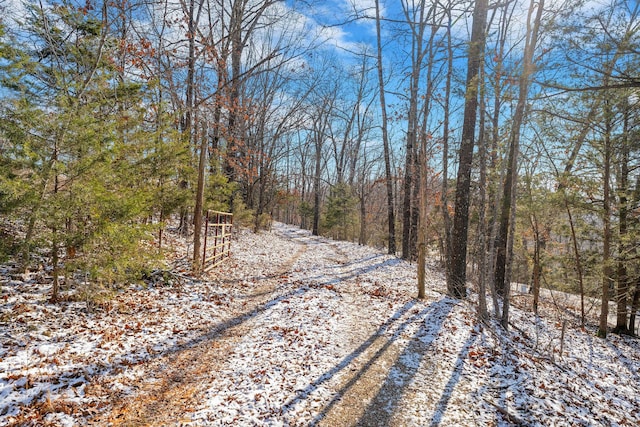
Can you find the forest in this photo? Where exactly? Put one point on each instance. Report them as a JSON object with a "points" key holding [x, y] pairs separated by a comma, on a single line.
{"points": [[499, 136], [436, 212]]}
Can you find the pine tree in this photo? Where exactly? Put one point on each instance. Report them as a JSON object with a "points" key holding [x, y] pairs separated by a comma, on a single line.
{"points": [[84, 156]]}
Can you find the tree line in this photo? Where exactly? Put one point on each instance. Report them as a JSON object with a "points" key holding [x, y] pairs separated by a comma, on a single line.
{"points": [[501, 135]]}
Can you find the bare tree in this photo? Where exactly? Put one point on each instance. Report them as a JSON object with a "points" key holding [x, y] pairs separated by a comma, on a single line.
{"points": [[456, 277], [416, 16], [385, 138], [507, 213]]}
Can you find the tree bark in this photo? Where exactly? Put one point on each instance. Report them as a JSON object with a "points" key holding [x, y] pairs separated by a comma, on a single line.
{"points": [[444, 197], [622, 290], [482, 257], [193, 19], [509, 189], [578, 257], [422, 225], [456, 278], [198, 210], [607, 276], [635, 300], [362, 237], [635, 306], [411, 175], [316, 188], [540, 245]]}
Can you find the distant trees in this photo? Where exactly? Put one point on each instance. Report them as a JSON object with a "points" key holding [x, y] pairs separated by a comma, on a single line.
{"points": [[116, 116], [604, 136]]}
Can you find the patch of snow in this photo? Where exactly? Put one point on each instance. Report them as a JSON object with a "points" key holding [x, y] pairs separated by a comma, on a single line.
{"points": [[321, 320]]}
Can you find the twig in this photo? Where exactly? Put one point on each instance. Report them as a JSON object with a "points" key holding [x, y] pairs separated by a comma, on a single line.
{"points": [[510, 417]]}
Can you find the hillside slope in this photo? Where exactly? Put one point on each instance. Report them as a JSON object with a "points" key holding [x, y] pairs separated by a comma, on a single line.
{"points": [[299, 330]]}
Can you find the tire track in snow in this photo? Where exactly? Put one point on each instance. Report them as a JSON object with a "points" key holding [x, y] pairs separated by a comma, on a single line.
{"points": [[289, 366], [175, 382]]}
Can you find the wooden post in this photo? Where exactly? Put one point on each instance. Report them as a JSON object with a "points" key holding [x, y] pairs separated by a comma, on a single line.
{"points": [[222, 236], [230, 231], [223, 244], [215, 239], [204, 247]]}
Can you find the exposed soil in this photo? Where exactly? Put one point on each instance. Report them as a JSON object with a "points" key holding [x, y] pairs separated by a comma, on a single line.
{"points": [[296, 330], [178, 380]]}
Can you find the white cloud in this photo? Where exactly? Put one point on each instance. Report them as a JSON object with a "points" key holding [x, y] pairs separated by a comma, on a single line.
{"points": [[12, 10], [338, 38]]}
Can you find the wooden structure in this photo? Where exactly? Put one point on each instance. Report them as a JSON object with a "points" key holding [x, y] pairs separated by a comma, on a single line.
{"points": [[218, 230]]}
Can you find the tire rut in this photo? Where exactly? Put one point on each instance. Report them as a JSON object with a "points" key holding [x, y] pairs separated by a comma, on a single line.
{"points": [[177, 380]]}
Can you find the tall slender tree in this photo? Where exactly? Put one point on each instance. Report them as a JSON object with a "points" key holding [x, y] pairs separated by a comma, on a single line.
{"points": [[457, 272], [502, 280], [391, 221]]}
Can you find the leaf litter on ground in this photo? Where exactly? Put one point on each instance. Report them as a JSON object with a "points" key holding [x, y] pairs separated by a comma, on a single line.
{"points": [[324, 333]]}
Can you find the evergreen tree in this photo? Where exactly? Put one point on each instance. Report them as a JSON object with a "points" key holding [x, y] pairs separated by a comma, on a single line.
{"points": [[85, 163], [340, 215]]}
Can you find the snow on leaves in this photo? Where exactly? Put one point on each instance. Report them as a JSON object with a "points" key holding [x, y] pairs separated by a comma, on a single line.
{"points": [[300, 330]]}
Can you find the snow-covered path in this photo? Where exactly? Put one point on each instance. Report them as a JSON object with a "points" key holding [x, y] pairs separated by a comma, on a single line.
{"points": [[297, 330], [298, 352], [326, 335]]}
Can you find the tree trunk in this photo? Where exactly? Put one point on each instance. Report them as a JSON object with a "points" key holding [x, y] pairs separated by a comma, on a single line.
{"points": [[237, 47], [418, 193], [635, 306], [362, 239], [607, 279], [506, 302], [493, 197], [482, 257], [622, 290], [316, 189], [411, 175], [635, 301], [198, 210], [55, 261], [422, 224], [540, 245], [193, 19], [456, 278], [446, 219], [509, 189], [55, 265], [578, 258]]}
